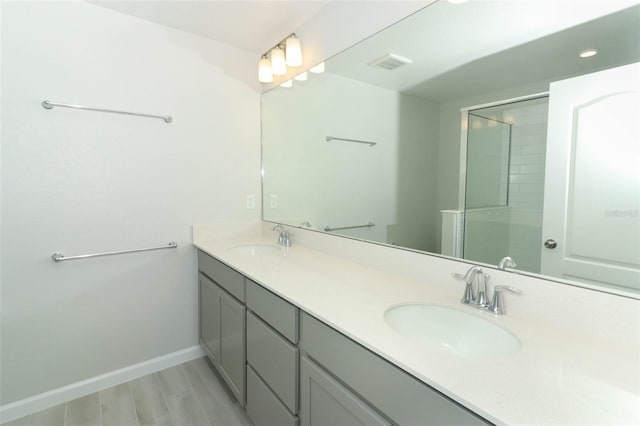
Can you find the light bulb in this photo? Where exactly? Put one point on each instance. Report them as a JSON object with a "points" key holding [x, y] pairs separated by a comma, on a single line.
{"points": [[287, 84], [278, 64], [293, 51], [318, 68], [588, 53], [265, 73], [301, 77]]}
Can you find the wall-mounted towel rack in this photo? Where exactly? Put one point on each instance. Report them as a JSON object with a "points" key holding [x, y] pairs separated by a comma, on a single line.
{"points": [[332, 138], [50, 105], [59, 257], [368, 225]]}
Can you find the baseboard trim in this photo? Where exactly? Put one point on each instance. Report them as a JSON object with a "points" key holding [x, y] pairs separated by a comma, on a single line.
{"points": [[57, 396]]}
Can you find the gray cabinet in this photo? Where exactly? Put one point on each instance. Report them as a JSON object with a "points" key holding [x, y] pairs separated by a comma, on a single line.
{"points": [[272, 358], [209, 301], [233, 357], [395, 394], [288, 369], [263, 407], [324, 401], [222, 320]]}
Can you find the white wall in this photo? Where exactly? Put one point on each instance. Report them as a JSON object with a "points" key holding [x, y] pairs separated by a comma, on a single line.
{"points": [[81, 182], [344, 183]]}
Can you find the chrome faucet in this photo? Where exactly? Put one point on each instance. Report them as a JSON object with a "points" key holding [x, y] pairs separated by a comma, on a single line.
{"points": [[506, 262], [284, 239], [468, 297], [479, 299]]}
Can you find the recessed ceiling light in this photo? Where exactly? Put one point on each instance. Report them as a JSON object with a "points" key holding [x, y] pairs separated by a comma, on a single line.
{"points": [[588, 53]]}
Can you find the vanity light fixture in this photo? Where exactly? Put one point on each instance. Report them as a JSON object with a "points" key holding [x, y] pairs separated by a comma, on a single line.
{"points": [[293, 51], [265, 72], [302, 76], [588, 53], [318, 68], [278, 62], [275, 61], [287, 84]]}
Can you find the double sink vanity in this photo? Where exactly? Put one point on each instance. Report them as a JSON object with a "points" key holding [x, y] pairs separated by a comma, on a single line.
{"points": [[303, 335]]}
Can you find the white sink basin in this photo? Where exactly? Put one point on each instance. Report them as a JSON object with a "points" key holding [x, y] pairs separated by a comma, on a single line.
{"points": [[458, 332], [255, 249]]}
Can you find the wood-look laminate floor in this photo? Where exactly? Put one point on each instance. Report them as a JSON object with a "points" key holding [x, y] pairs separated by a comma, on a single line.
{"points": [[189, 394]]}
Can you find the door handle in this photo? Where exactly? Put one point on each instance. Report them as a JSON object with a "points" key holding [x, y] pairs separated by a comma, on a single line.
{"points": [[550, 244]]}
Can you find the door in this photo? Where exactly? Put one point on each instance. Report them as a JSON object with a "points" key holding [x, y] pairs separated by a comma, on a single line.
{"points": [[325, 402], [233, 355], [591, 219], [210, 318]]}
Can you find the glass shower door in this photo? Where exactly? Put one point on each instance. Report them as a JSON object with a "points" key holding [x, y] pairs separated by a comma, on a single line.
{"points": [[506, 147], [486, 230]]}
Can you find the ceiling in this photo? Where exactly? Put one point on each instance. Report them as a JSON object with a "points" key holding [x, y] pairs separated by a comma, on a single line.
{"points": [[479, 47], [246, 24]]}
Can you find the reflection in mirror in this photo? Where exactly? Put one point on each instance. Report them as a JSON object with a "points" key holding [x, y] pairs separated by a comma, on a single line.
{"points": [[506, 145], [476, 147]]}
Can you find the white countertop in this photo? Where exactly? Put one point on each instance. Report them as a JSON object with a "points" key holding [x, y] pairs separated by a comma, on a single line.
{"points": [[558, 377]]}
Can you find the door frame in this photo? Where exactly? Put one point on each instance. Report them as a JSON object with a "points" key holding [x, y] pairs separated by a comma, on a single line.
{"points": [[464, 120]]}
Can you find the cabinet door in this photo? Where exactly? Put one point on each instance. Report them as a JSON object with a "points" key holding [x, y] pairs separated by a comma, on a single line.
{"points": [[233, 358], [210, 318], [326, 402]]}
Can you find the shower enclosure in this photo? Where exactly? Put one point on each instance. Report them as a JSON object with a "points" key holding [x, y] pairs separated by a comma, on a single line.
{"points": [[505, 162]]}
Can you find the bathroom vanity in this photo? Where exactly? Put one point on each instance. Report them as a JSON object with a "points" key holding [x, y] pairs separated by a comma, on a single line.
{"points": [[299, 370], [299, 336]]}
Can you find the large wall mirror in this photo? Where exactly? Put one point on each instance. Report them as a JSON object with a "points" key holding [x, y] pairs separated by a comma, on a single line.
{"points": [[476, 131]]}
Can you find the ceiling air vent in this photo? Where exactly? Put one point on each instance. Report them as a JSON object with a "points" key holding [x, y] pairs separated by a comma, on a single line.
{"points": [[390, 62]]}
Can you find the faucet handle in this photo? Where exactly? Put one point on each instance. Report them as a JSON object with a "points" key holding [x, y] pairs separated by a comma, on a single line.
{"points": [[497, 305]]}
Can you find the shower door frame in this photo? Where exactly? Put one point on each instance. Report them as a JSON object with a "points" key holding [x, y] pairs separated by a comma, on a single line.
{"points": [[464, 134]]}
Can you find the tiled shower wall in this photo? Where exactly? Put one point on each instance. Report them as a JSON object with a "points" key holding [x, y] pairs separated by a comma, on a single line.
{"points": [[526, 181]]}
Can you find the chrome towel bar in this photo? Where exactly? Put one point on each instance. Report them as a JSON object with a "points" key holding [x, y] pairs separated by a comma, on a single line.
{"points": [[50, 105], [368, 225], [332, 138], [59, 257]]}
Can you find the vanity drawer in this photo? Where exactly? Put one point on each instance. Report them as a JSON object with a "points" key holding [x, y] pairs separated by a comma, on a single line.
{"points": [[274, 359], [223, 275], [274, 310], [263, 408]]}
